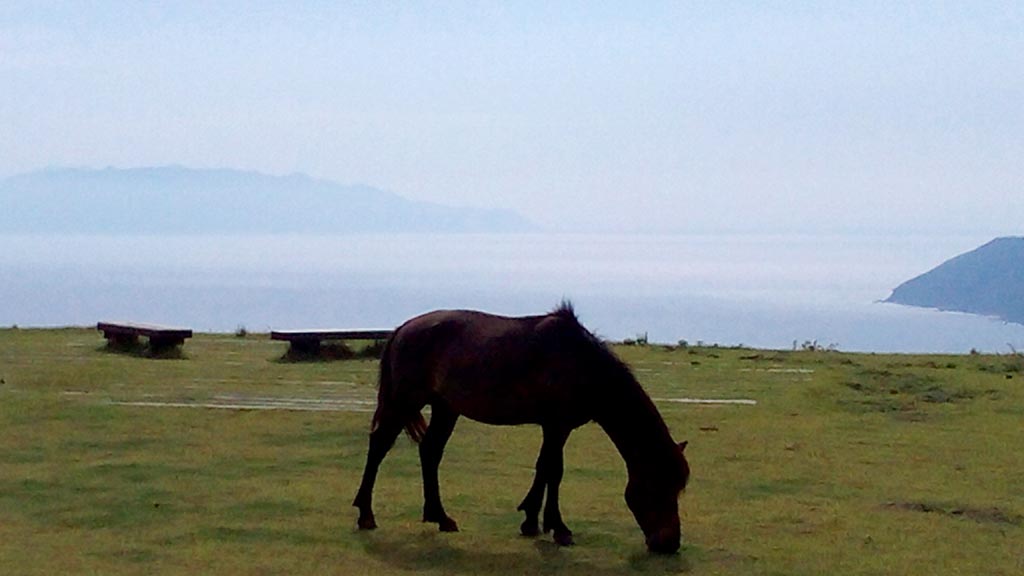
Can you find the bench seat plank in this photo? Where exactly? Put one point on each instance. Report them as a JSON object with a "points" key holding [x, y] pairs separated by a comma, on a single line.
{"points": [[320, 335], [147, 330], [126, 334], [307, 342]]}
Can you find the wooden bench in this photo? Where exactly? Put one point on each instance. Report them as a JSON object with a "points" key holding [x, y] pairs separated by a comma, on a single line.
{"points": [[307, 342], [126, 334]]}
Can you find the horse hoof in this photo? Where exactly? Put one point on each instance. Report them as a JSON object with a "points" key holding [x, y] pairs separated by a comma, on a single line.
{"points": [[563, 538], [529, 529], [447, 525], [367, 523]]}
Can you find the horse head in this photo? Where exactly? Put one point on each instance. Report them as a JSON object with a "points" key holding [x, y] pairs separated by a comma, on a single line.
{"points": [[654, 501]]}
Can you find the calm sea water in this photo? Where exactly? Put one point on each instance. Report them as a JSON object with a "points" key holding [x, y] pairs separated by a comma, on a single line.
{"points": [[762, 291]]}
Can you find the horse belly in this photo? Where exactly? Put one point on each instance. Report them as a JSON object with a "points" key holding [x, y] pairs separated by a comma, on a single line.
{"points": [[503, 404], [511, 415]]}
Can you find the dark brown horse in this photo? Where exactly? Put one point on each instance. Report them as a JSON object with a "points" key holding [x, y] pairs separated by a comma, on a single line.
{"points": [[546, 370]]}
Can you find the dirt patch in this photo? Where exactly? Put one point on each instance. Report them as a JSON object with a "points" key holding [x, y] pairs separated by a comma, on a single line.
{"points": [[237, 402], [736, 401], [334, 404], [900, 392], [993, 515], [333, 351]]}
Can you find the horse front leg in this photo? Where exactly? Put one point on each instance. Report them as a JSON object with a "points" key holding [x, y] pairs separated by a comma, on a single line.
{"points": [[532, 502], [442, 423], [554, 442], [548, 475]]}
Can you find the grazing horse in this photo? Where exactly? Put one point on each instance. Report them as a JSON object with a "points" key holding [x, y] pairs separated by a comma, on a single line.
{"points": [[547, 370]]}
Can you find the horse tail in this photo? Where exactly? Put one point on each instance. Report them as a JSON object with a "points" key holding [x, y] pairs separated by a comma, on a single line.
{"points": [[417, 426]]}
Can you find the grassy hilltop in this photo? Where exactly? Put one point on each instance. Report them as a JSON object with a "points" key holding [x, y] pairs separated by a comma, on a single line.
{"points": [[847, 464]]}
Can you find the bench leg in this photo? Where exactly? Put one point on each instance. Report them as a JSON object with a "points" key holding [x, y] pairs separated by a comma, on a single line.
{"points": [[164, 344], [305, 347], [123, 341]]}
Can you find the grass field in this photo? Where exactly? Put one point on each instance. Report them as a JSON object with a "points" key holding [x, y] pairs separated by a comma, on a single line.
{"points": [[847, 464]]}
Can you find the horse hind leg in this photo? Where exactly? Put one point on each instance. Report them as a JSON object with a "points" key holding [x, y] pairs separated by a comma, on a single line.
{"points": [[442, 423], [381, 440]]}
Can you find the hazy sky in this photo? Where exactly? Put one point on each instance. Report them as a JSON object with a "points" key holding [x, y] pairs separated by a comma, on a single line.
{"points": [[678, 116]]}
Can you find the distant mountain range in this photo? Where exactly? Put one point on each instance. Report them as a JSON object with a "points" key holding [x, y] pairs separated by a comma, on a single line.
{"points": [[988, 280], [179, 200]]}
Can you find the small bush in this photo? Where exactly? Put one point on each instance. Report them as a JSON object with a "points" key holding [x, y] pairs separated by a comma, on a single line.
{"points": [[143, 350], [373, 350], [814, 346], [334, 350], [640, 340]]}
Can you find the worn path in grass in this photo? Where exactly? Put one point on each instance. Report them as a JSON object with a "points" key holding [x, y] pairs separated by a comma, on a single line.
{"points": [[850, 464]]}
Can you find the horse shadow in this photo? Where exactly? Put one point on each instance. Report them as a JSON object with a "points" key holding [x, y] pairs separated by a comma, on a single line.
{"points": [[429, 551]]}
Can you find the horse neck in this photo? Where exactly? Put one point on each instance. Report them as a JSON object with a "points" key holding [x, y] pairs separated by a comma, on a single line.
{"points": [[635, 427]]}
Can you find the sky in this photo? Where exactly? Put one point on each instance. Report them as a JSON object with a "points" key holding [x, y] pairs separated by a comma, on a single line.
{"points": [[662, 117]]}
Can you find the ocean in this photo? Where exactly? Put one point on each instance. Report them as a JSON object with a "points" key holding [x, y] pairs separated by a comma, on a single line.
{"points": [[764, 291]]}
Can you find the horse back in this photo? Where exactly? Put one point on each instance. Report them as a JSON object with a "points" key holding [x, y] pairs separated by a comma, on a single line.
{"points": [[493, 369]]}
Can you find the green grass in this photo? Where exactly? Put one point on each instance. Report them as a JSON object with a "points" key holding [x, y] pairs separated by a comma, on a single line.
{"points": [[849, 464]]}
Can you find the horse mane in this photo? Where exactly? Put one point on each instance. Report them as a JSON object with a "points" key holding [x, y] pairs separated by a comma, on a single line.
{"points": [[607, 365], [565, 311], [604, 354]]}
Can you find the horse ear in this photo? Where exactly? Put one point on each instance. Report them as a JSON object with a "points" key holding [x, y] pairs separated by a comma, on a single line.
{"points": [[682, 445]]}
